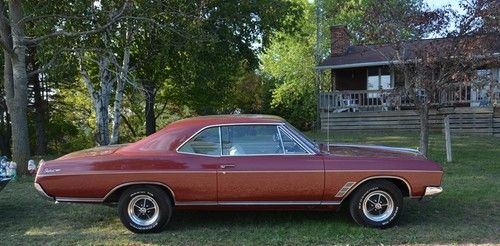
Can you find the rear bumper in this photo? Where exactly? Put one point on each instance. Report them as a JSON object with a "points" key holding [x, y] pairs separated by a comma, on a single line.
{"points": [[431, 192], [42, 192]]}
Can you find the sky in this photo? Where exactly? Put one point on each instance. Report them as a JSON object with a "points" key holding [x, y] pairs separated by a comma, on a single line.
{"points": [[441, 3]]}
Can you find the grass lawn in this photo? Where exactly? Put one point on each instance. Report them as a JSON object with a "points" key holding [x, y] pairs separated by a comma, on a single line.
{"points": [[467, 212]]}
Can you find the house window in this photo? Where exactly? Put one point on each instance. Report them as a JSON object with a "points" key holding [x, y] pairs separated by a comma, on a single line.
{"points": [[378, 79], [480, 91]]}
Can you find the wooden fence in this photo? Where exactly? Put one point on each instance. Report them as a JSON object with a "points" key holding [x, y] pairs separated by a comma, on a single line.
{"points": [[484, 120]]}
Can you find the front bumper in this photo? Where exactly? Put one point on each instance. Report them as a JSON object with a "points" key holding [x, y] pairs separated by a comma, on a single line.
{"points": [[431, 192], [42, 192]]}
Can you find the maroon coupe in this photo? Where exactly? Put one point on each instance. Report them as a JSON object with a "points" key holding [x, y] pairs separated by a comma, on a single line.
{"points": [[243, 161]]}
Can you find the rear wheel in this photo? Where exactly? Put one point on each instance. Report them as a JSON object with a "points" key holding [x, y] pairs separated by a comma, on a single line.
{"points": [[144, 209], [376, 204]]}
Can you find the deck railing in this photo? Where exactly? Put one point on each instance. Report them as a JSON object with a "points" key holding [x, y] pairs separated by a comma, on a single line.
{"points": [[390, 100]]}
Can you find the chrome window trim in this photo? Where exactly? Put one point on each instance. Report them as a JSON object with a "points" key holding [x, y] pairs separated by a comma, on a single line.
{"points": [[220, 139], [281, 125], [291, 136], [281, 139], [193, 136], [290, 133], [251, 124]]}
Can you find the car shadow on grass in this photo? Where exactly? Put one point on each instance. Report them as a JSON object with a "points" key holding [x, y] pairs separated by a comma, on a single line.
{"points": [[183, 220]]}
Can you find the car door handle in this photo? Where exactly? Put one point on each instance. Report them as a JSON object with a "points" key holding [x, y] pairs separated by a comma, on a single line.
{"points": [[226, 166]]}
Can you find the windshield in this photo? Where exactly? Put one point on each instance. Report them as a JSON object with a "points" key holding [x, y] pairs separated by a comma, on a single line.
{"points": [[311, 144]]}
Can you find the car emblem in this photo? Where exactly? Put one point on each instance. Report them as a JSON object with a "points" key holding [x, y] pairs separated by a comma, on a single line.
{"points": [[48, 170]]}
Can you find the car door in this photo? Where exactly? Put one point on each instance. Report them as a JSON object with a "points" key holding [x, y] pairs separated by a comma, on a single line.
{"points": [[198, 159], [257, 168]]}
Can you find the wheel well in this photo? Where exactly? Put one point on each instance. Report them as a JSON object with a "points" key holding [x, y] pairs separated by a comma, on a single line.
{"points": [[114, 196], [396, 181]]}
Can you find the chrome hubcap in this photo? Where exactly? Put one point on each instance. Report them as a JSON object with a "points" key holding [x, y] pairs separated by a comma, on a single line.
{"points": [[143, 210], [378, 206]]}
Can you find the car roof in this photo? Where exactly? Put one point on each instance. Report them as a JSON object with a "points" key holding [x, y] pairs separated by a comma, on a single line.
{"points": [[203, 121], [181, 130]]}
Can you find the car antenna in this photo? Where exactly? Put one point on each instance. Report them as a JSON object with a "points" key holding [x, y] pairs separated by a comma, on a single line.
{"points": [[328, 124]]}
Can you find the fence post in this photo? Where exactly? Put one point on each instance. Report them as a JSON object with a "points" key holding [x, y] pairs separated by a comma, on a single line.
{"points": [[447, 137]]}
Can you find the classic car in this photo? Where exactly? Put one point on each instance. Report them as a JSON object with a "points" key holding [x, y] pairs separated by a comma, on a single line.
{"points": [[239, 162]]}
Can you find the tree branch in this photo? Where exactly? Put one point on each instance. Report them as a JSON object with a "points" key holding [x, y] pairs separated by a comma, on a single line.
{"points": [[112, 21], [47, 65], [5, 32]]}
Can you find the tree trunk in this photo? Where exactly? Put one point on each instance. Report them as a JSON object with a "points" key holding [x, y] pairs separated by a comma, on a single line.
{"points": [[39, 106], [100, 100], [149, 91], [17, 88], [424, 129], [120, 87]]}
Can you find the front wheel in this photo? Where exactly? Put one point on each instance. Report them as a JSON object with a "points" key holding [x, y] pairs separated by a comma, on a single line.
{"points": [[144, 209], [376, 204]]}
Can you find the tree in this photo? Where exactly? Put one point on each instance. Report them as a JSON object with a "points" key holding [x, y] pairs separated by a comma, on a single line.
{"points": [[290, 60], [14, 43], [213, 44], [433, 67]]}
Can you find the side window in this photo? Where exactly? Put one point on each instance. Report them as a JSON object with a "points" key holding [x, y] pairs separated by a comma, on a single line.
{"points": [[290, 145], [206, 142], [251, 140]]}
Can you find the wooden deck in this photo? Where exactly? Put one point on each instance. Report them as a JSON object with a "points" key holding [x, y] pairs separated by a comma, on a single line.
{"points": [[476, 120]]}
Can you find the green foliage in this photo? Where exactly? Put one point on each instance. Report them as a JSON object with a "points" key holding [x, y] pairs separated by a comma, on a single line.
{"points": [[289, 64], [204, 69], [290, 60]]}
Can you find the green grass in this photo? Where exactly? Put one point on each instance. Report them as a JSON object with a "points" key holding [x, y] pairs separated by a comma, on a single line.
{"points": [[467, 212]]}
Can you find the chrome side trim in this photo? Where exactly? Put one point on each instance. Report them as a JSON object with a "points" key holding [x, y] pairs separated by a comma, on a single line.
{"points": [[139, 183], [409, 150], [269, 203], [101, 200], [345, 189], [378, 177], [78, 200], [276, 171], [330, 203], [258, 203], [40, 190], [380, 170], [196, 203], [129, 172]]}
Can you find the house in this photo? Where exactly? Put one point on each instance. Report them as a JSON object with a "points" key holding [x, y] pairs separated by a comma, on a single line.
{"points": [[366, 93]]}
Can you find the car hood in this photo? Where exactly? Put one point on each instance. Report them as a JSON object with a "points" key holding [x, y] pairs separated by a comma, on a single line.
{"points": [[373, 151], [97, 151]]}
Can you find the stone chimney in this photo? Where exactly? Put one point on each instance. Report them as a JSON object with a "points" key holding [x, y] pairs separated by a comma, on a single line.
{"points": [[341, 40]]}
